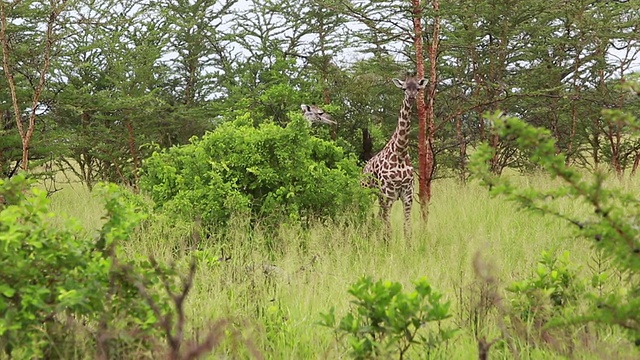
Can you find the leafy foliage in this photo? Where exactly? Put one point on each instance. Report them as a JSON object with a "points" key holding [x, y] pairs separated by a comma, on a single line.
{"points": [[52, 275], [555, 280], [542, 307], [265, 172], [612, 225], [387, 321]]}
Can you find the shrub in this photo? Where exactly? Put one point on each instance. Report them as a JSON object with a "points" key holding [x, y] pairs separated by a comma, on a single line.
{"points": [[44, 270], [266, 172], [555, 286], [56, 276], [543, 306], [611, 226], [387, 321]]}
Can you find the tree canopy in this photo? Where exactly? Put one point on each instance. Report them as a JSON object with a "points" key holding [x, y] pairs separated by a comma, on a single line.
{"points": [[95, 86]]}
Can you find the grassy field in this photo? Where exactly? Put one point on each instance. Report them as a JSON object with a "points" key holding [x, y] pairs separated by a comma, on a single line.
{"points": [[275, 286]]}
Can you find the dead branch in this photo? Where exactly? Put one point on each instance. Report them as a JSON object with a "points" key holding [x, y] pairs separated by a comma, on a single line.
{"points": [[25, 136], [483, 271]]}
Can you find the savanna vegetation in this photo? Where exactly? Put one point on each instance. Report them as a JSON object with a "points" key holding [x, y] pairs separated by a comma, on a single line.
{"points": [[162, 196]]}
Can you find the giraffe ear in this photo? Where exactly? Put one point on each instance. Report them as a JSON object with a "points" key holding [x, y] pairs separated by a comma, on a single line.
{"points": [[423, 83], [305, 107], [399, 83]]}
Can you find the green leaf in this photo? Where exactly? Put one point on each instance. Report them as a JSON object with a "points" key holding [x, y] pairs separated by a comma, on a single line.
{"points": [[7, 291]]}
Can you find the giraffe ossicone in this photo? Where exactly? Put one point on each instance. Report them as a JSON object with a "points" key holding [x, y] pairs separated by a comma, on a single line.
{"points": [[390, 170], [314, 114]]}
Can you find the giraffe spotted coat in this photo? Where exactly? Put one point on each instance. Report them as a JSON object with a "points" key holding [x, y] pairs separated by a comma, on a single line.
{"points": [[390, 170]]}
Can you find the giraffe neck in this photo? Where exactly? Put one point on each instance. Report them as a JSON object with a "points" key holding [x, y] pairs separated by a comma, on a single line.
{"points": [[402, 130]]}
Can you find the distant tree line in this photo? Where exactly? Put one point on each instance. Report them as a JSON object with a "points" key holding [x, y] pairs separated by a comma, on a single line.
{"points": [[96, 86]]}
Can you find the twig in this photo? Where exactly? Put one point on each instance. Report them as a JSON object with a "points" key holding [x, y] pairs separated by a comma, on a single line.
{"points": [[482, 271]]}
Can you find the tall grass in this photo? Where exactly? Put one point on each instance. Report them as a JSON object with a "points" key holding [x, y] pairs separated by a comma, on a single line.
{"points": [[273, 285]]}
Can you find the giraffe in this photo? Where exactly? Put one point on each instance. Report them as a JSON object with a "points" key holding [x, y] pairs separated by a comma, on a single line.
{"points": [[314, 114], [390, 170]]}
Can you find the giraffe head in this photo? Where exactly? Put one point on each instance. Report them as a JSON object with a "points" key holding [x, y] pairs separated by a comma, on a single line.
{"points": [[316, 115], [411, 86]]}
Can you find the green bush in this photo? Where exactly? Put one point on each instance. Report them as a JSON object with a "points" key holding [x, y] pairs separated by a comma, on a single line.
{"points": [[555, 287], [266, 172], [56, 278], [388, 322], [542, 307]]}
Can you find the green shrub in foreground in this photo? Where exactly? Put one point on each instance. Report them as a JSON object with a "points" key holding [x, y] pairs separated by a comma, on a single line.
{"points": [[556, 281], [542, 305], [387, 322], [56, 278], [268, 172]]}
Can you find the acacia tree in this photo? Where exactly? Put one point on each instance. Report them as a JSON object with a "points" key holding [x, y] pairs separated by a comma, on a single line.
{"points": [[571, 66], [368, 105], [543, 63], [270, 75], [113, 99], [198, 39], [162, 72], [318, 35], [28, 16], [325, 38], [617, 30]]}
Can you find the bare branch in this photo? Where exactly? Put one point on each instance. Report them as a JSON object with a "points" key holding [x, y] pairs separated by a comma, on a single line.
{"points": [[56, 8], [8, 73]]}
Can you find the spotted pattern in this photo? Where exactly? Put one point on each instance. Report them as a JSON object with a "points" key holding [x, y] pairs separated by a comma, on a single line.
{"points": [[390, 170], [314, 114]]}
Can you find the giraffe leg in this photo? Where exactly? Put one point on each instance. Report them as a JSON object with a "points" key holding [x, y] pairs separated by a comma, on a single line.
{"points": [[407, 202], [385, 210]]}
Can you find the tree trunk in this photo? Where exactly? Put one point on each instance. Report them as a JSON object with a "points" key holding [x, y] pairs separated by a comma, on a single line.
{"points": [[324, 66], [572, 134], [423, 157], [134, 154], [433, 52], [574, 109], [614, 138], [463, 149], [367, 145], [636, 162], [596, 144], [426, 161]]}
